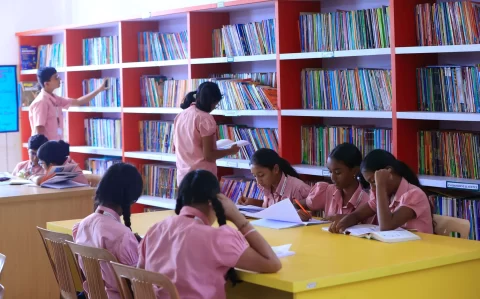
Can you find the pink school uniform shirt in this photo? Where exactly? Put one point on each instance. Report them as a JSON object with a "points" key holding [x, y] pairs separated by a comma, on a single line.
{"points": [[412, 197], [289, 187], [27, 168], [103, 229], [192, 254], [80, 178], [326, 197], [189, 127], [45, 110]]}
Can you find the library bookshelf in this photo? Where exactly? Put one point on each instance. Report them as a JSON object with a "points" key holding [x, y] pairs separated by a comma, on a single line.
{"points": [[403, 57]]}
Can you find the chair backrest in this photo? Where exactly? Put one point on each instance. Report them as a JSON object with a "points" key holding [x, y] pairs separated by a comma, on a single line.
{"points": [[1, 291], [2, 262], [142, 282], [445, 225], [91, 258], [93, 179], [58, 254]]}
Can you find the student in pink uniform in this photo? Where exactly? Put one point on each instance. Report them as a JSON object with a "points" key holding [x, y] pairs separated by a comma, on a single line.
{"points": [[196, 256], [120, 187], [348, 191], [195, 132], [396, 198], [31, 167], [45, 112], [56, 153], [276, 177]]}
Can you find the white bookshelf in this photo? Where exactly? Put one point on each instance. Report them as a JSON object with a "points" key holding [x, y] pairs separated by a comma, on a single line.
{"points": [[94, 109], [446, 116], [96, 150], [337, 113], [306, 55], [251, 58], [312, 170], [159, 202], [437, 49]]}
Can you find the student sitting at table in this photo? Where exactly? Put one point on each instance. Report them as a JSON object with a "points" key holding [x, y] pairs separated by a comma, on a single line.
{"points": [[348, 190], [56, 153], [278, 179], [31, 167], [396, 198], [120, 187], [195, 255]]}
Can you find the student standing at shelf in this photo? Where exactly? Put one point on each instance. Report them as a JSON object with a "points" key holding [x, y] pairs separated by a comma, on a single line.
{"points": [[195, 132], [45, 112], [119, 189], [396, 198], [56, 153], [31, 167], [195, 255], [346, 193], [276, 177]]}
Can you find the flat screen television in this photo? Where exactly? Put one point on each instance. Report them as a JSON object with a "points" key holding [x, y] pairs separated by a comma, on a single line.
{"points": [[9, 105]]}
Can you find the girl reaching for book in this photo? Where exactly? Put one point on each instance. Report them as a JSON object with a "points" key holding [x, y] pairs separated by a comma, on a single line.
{"points": [[396, 198], [348, 190], [195, 132], [194, 254], [276, 177]]}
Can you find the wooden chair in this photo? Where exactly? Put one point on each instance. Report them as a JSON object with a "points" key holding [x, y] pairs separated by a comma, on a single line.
{"points": [[91, 258], [93, 179], [142, 282], [59, 255], [2, 262], [445, 225]]}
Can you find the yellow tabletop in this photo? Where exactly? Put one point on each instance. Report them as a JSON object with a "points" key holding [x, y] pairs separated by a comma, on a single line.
{"points": [[323, 259]]}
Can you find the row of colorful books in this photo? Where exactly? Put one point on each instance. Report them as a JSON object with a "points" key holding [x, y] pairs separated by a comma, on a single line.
{"points": [[448, 23], [345, 30], [100, 50], [160, 180], [235, 187], [449, 153], [107, 98], [99, 166], [449, 88], [319, 141], [103, 132], [156, 136], [51, 55], [468, 209], [157, 46], [268, 78], [255, 38], [355, 89]]}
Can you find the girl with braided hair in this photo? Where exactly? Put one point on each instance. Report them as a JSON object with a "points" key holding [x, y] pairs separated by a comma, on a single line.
{"points": [[196, 256], [120, 187]]}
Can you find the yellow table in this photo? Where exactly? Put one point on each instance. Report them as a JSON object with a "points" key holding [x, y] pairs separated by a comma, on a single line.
{"points": [[27, 272], [338, 266]]}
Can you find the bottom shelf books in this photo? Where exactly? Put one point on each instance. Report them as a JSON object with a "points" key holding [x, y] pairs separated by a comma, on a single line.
{"points": [[160, 180]]}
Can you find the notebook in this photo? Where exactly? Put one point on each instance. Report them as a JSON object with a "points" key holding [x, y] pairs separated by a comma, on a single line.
{"points": [[59, 177], [227, 143], [370, 231]]}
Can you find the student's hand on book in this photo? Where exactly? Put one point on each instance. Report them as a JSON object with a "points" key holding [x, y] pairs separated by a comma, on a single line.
{"points": [[339, 225], [304, 216], [234, 149]]}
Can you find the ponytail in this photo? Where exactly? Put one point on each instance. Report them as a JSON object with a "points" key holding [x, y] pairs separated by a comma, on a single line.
{"points": [[206, 97], [189, 99], [407, 173], [126, 215], [286, 168]]}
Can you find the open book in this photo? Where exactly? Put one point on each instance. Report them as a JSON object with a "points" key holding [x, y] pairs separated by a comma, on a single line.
{"points": [[371, 231], [59, 177], [281, 215], [227, 143]]}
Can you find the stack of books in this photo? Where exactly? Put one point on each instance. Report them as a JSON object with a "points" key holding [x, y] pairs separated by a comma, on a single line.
{"points": [[103, 132], [356, 89], [159, 180], [100, 50], [107, 98], [319, 141], [157, 46]]}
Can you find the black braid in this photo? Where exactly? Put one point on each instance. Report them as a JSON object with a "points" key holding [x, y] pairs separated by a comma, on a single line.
{"points": [[126, 215]]}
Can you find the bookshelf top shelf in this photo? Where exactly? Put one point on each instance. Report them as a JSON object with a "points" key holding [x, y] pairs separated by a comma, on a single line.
{"points": [[437, 49]]}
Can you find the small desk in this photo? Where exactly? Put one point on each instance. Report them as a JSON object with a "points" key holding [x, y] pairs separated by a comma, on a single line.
{"points": [[338, 266], [27, 272]]}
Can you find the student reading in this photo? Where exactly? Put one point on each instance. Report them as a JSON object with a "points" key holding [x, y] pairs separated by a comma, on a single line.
{"points": [[396, 198], [120, 187], [45, 112], [28, 168], [348, 190], [276, 177], [195, 132], [195, 255]]}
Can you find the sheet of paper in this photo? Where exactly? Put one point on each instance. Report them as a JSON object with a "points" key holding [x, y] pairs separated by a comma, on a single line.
{"points": [[281, 211], [274, 224], [283, 250]]}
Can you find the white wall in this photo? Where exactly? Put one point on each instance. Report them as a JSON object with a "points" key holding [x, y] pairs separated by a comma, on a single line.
{"points": [[21, 15]]}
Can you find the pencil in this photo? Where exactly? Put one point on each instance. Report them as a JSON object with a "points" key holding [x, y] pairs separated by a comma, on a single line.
{"points": [[301, 207]]}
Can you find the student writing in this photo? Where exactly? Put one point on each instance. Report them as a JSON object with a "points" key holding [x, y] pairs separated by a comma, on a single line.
{"points": [[195, 255], [28, 168], [276, 177], [195, 132], [396, 198], [346, 193], [120, 187]]}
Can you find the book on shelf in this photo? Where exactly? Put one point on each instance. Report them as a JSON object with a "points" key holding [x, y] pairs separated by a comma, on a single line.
{"points": [[347, 89], [319, 141], [160, 180], [468, 209], [156, 136], [59, 177], [448, 23], [345, 30], [28, 57], [449, 153], [159, 91], [28, 91], [255, 38], [245, 94], [157, 46], [50, 55], [235, 187], [100, 50], [108, 98], [263, 78], [99, 166], [103, 132], [371, 231], [449, 88]]}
